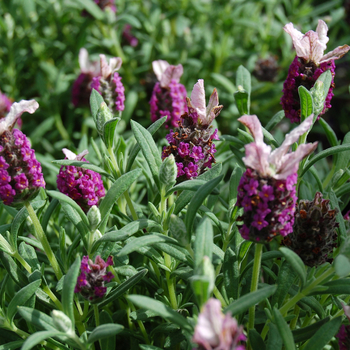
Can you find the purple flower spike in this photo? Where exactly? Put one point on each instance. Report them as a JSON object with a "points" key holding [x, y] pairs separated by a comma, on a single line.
{"points": [[191, 143], [309, 63], [169, 96], [82, 185], [90, 283], [82, 86], [216, 331], [267, 188], [108, 83], [20, 173]]}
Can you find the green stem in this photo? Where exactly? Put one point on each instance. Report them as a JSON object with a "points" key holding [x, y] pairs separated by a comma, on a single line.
{"points": [[219, 297], [170, 283], [23, 262], [126, 193], [40, 235], [255, 281], [294, 321], [53, 297], [140, 323], [97, 315]]}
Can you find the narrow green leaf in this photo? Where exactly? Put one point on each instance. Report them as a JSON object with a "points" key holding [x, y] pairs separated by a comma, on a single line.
{"points": [[123, 288], [306, 333], [340, 219], [104, 331], [177, 252], [192, 185], [296, 263], [244, 303], [225, 82], [340, 286], [234, 182], [84, 165], [151, 129], [274, 342], [342, 265], [284, 330], [37, 318], [161, 310], [149, 347], [231, 274], [116, 190], [203, 244], [243, 79], [256, 340], [323, 154], [324, 334], [274, 120], [48, 212], [149, 149], [12, 345], [269, 138], [343, 161], [21, 298], [241, 98], [186, 196], [127, 18], [109, 342], [38, 337], [13, 269], [70, 280], [95, 102], [198, 199], [63, 198], [306, 102], [109, 131]]}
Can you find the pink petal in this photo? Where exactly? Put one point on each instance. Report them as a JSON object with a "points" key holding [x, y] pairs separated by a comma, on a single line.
{"points": [[301, 45], [72, 156], [212, 112], [346, 309], [293, 136], [159, 68], [316, 47], [289, 164], [105, 69], [337, 53], [171, 73], [16, 110], [256, 157], [115, 63], [198, 100], [322, 30], [84, 60], [253, 124]]}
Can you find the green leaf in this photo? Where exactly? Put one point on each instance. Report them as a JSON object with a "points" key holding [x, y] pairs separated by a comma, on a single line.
{"points": [[274, 342], [95, 101], [244, 303], [274, 120], [152, 129], [241, 98], [306, 333], [306, 102], [324, 334], [340, 286], [161, 310], [197, 201], [117, 189], [342, 265], [203, 244], [343, 161], [69, 283], [323, 154], [225, 82], [149, 347], [149, 149], [109, 131], [231, 274], [48, 212], [127, 18], [104, 331], [63, 198], [243, 79], [21, 298], [284, 330], [84, 165], [177, 252], [234, 182], [123, 288], [38, 337], [296, 264], [37, 318], [109, 342], [256, 341], [186, 196], [340, 219], [13, 269], [12, 345], [192, 185], [92, 8]]}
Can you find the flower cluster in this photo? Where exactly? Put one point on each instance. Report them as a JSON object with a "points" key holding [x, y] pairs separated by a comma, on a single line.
{"points": [[309, 63], [169, 96], [127, 35], [82, 185], [266, 190], [20, 173], [82, 86], [344, 332], [192, 142], [108, 83], [314, 235], [90, 283], [266, 69], [216, 331]]}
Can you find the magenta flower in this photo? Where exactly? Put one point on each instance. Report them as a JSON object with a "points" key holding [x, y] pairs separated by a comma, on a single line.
{"points": [[82, 185], [216, 331], [127, 35], [168, 96], [108, 83], [344, 332], [191, 142], [90, 282], [82, 86], [309, 63], [267, 188], [20, 173]]}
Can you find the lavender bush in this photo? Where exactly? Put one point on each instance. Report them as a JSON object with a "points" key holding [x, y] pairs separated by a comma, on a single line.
{"points": [[225, 234]]}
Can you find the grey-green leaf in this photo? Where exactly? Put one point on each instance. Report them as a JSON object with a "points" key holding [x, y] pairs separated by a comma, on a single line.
{"points": [[104, 331]]}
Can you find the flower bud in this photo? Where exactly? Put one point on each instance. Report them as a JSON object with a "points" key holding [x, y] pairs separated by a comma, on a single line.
{"points": [[94, 217], [62, 322], [168, 172]]}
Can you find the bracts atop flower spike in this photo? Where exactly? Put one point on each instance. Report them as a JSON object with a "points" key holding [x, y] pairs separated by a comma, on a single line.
{"points": [[267, 188], [309, 63], [82, 86], [82, 185], [168, 96], [216, 331], [191, 143], [20, 173], [108, 83], [91, 281]]}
